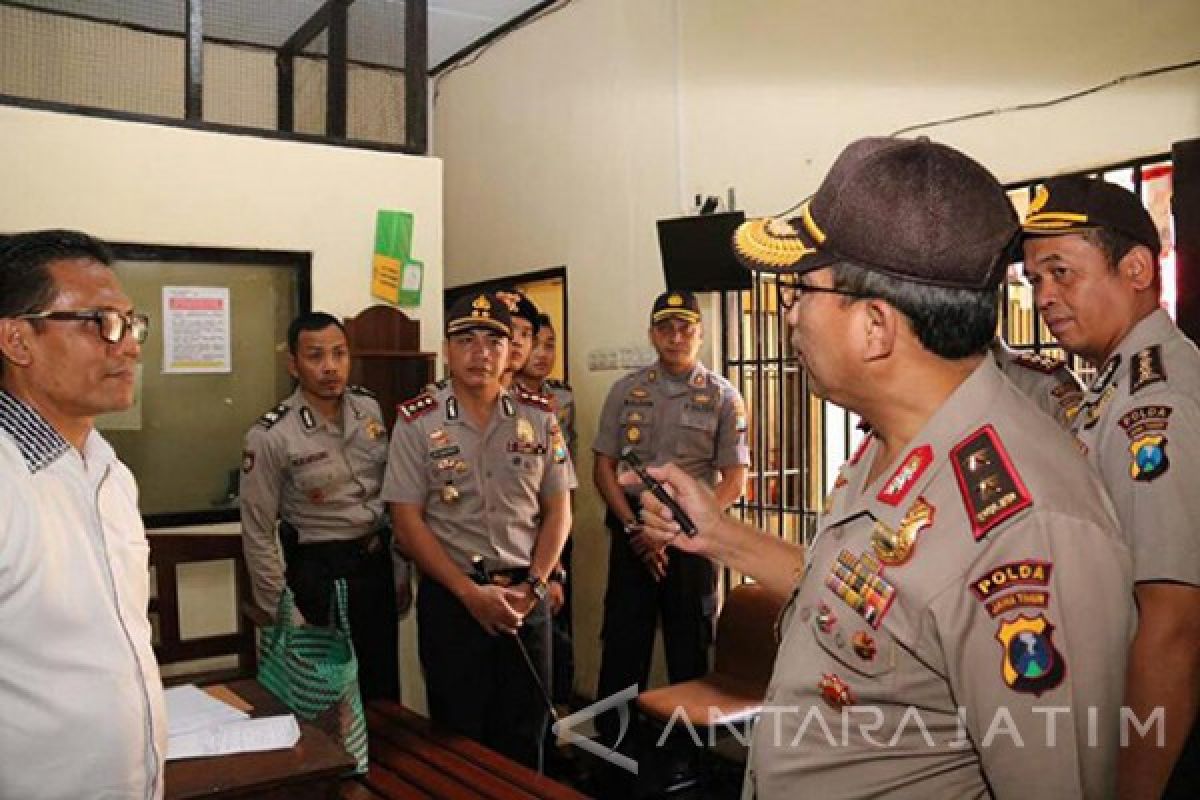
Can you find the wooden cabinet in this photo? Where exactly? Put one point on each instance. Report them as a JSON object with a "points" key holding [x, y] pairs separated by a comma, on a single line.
{"points": [[385, 357]]}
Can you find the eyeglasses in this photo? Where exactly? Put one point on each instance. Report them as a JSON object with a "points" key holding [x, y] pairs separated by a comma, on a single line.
{"points": [[111, 324], [790, 289]]}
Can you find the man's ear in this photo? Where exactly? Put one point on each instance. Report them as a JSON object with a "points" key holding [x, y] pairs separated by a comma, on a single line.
{"points": [[13, 346], [880, 327], [1138, 266], [291, 366]]}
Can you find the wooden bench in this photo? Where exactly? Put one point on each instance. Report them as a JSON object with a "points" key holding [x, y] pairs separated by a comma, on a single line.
{"points": [[413, 758]]}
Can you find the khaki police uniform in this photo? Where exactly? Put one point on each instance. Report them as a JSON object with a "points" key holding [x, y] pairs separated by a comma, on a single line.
{"points": [[321, 480], [481, 492], [1140, 426], [697, 421], [985, 572], [562, 662], [1047, 381]]}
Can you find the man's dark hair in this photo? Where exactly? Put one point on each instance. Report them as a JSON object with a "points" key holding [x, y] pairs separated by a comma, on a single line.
{"points": [[544, 321], [311, 321], [26, 285], [949, 322], [1112, 244]]}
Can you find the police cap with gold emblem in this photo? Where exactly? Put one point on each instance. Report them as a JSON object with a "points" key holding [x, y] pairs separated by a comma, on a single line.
{"points": [[676, 305], [909, 208], [478, 311], [519, 305], [1075, 204]]}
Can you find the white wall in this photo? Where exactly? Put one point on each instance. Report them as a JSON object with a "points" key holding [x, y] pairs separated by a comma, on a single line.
{"points": [[773, 89], [146, 183], [566, 140]]}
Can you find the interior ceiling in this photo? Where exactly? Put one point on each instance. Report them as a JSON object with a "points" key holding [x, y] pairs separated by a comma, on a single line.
{"points": [[376, 27]]}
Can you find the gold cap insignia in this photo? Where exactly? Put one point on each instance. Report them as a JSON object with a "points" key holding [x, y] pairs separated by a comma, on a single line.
{"points": [[675, 301]]}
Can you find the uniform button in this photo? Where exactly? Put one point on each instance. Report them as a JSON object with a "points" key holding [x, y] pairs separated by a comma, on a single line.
{"points": [[805, 613], [487, 474]]}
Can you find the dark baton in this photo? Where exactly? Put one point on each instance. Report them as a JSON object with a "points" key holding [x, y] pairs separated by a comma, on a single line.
{"points": [[479, 575], [656, 488]]}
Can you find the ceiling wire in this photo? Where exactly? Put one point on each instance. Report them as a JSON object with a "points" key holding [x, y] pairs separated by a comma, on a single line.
{"points": [[1129, 77], [474, 57]]}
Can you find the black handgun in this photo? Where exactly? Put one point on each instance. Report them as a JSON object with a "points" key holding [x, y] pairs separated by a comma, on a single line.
{"points": [[658, 490]]}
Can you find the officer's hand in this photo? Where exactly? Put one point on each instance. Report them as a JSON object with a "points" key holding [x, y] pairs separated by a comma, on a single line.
{"points": [[651, 551], [656, 562], [492, 608], [522, 599], [658, 523], [555, 596]]}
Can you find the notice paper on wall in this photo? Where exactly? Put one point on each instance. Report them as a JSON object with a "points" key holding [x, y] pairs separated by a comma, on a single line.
{"points": [[196, 335]]}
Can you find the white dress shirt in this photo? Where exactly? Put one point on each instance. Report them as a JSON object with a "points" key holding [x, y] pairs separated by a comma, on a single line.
{"points": [[81, 704]]}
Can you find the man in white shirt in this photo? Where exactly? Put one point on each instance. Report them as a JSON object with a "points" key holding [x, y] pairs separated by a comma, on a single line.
{"points": [[83, 712]]}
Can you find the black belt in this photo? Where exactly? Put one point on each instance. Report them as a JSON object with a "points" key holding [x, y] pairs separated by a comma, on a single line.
{"points": [[369, 545], [509, 577]]}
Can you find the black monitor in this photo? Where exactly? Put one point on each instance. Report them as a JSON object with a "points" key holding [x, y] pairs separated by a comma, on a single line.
{"points": [[697, 253]]}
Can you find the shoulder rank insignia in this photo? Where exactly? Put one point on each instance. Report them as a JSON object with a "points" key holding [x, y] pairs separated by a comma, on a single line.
{"points": [[421, 404], [273, 416], [533, 399], [1147, 369], [991, 488], [1031, 662], [1038, 362], [555, 383], [360, 390]]}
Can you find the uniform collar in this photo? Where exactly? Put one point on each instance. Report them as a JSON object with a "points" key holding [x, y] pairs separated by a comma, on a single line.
{"points": [[1154, 328], [893, 493], [452, 413], [39, 443], [697, 378], [312, 420]]}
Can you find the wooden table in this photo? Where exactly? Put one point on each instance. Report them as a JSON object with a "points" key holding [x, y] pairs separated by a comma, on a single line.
{"points": [[311, 769], [413, 758]]}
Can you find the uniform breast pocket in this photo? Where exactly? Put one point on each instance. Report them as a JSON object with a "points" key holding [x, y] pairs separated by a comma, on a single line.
{"points": [[849, 640], [636, 429], [697, 434], [317, 476]]}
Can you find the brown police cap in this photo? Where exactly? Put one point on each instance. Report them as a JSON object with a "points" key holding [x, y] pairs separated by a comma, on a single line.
{"points": [[481, 311], [675, 305], [1071, 205], [910, 208]]}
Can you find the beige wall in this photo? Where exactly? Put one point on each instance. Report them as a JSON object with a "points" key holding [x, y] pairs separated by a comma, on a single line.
{"points": [[566, 140], [146, 183]]}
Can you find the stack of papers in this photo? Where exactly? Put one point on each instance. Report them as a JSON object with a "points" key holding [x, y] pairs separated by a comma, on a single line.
{"points": [[200, 725]]}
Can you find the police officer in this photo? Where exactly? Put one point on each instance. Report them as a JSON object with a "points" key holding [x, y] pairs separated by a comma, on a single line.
{"points": [[477, 470], [1091, 253], [315, 464], [969, 576], [525, 319], [1047, 381], [675, 410], [534, 377]]}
